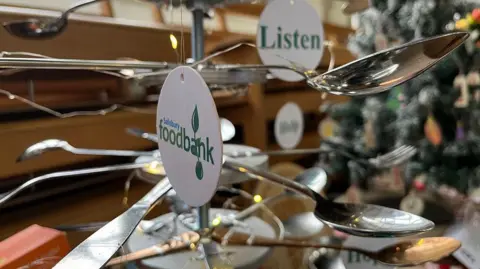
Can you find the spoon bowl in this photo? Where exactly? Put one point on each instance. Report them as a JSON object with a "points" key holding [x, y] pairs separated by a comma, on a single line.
{"points": [[35, 28], [386, 69], [355, 219], [227, 129], [43, 28], [42, 147]]}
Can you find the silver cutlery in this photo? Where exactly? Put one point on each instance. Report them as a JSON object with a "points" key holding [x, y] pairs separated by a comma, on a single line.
{"points": [[380, 71], [43, 28], [356, 219], [56, 144], [100, 247], [5, 197]]}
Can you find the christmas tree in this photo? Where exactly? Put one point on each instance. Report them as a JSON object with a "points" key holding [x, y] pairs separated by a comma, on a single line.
{"points": [[438, 112]]}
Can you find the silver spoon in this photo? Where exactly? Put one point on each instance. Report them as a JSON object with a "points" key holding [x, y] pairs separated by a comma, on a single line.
{"points": [[43, 28], [406, 253], [380, 71], [56, 144], [5, 197], [355, 219]]}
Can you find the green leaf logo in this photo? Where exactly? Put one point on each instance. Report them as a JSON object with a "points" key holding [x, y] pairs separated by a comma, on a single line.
{"points": [[195, 121], [199, 170]]}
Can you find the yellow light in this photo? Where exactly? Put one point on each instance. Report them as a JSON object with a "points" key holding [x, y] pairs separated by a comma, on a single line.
{"points": [[420, 242], [216, 221], [155, 168], [257, 198], [174, 42]]}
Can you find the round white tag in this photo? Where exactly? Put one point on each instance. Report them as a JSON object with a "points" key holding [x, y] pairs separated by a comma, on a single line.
{"points": [[190, 142], [291, 29], [288, 127]]}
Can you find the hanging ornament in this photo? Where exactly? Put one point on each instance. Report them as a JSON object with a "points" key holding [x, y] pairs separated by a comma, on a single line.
{"points": [[327, 127], [473, 78], [370, 141], [395, 98], [460, 83], [460, 132], [476, 15], [381, 42], [432, 130]]}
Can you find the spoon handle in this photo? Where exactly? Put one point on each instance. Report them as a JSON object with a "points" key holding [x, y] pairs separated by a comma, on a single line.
{"points": [[278, 152], [244, 239], [77, 6], [110, 152], [264, 175]]}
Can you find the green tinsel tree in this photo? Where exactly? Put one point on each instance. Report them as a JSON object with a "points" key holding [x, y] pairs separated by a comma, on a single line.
{"points": [[438, 112]]}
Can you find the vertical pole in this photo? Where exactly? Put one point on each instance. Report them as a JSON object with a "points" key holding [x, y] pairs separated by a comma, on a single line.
{"points": [[198, 41]]}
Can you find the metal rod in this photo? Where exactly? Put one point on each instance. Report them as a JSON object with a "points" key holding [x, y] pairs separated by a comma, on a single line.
{"points": [[197, 39]]}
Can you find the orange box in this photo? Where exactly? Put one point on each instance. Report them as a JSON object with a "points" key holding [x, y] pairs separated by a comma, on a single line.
{"points": [[36, 247]]}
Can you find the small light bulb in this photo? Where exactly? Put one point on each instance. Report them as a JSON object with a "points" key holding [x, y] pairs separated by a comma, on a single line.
{"points": [[216, 221], [257, 198], [174, 42]]}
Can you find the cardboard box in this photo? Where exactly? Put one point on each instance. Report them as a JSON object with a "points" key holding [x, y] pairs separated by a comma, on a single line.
{"points": [[35, 247]]}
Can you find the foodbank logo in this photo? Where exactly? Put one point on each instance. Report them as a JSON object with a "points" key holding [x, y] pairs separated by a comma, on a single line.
{"points": [[174, 134]]}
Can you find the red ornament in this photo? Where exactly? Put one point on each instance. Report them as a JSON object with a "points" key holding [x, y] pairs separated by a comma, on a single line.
{"points": [[444, 266], [419, 185], [476, 15]]}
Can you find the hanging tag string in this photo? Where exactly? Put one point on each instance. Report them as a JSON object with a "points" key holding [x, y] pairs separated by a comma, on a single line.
{"points": [[182, 41]]}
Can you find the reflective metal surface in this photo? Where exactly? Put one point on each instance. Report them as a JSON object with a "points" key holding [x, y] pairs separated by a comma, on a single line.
{"points": [[355, 219], [43, 28], [325, 258], [227, 129], [380, 71], [5, 197], [77, 64], [56, 144], [97, 249], [383, 70], [304, 225], [314, 178], [218, 74]]}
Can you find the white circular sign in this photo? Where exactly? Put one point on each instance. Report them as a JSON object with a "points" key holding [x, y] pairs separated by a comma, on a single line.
{"points": [[190, 142], [293, 30], [288, 127]]}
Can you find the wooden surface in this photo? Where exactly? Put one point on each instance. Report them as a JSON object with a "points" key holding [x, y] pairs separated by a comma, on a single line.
{"points": [[94, 204]]}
